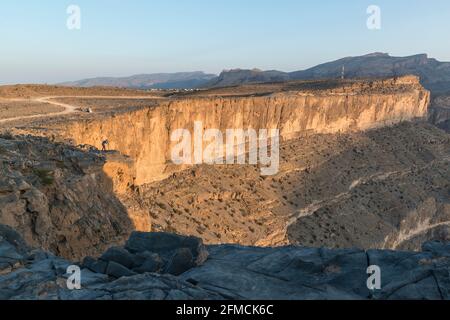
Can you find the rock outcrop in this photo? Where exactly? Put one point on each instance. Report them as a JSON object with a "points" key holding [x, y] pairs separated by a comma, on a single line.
{"points": [[147, 252], [230, 272], [59, 198]]}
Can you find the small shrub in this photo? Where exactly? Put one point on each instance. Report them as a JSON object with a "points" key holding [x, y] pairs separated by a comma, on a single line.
{"points": [[45, 176]]}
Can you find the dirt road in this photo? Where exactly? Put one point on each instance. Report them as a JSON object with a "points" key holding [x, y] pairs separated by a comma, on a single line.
{"points": [[68, 109]]}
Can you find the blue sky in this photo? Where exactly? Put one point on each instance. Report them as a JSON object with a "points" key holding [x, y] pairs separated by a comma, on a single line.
{"points": [[120, 38]]}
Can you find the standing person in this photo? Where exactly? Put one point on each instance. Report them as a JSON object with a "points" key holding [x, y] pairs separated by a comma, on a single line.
{"points": [[105, 143]]}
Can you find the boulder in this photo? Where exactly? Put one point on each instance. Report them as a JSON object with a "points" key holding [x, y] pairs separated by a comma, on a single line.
{"points": [[117, 270], [121, 256], [181, 261], [152, 263], [97, 266], [166, 244]]}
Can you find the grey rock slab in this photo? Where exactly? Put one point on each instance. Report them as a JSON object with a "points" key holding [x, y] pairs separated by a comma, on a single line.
{"points": [[442, 277], [121, 256], [165, 243], [152, 263], [401, 270], [437, 248], [181, 261], [8, 251], [117, 270], [84, 295], [424, 289], [97, 266], [230, 272], [139, 283], [283, 273]]}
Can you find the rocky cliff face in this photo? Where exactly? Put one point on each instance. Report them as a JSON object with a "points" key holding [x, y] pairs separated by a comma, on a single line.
{"points": [[439, 112], [384, 188], [144, 135], [69, 203], [58, 197]]}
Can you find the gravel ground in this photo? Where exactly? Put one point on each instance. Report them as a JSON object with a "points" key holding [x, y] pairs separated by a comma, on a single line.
{"points": [[13, 109]]}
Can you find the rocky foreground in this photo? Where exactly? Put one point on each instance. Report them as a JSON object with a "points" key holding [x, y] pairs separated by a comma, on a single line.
{"points": [[160, 266]]}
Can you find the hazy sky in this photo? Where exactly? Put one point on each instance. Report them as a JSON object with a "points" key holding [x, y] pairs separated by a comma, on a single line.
{"points": [[120, 38]]}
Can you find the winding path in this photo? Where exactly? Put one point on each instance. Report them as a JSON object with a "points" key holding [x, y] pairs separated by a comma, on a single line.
{"points": [[68, 108]]}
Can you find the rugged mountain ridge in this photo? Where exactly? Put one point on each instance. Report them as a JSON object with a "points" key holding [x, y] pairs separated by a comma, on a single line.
{"points": [[179, 80], [434, 75], [237, 77]]}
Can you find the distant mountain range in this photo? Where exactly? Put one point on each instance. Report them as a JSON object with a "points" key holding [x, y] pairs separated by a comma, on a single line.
{"points": [[434, 75], [180, 80], [239, 76]]}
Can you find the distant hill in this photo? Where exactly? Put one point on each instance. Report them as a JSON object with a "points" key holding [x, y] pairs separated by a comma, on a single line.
{"points": [[180, 80], [239, 76], [434, 75]]}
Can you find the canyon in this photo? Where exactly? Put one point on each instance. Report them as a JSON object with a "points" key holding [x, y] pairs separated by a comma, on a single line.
{"points": [[144, 134], [352, 132], [359, 167]]}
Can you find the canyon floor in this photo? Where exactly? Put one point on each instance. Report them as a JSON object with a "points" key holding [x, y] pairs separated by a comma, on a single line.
{"points": [[386, 188], [383, 187]]}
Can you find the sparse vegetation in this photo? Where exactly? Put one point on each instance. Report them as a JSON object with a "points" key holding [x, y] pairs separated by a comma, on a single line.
{"points": [[46, 177]]}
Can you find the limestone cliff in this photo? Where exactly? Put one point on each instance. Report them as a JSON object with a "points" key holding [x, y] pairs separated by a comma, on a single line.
{"points": [[144, 135], [64, 198]]}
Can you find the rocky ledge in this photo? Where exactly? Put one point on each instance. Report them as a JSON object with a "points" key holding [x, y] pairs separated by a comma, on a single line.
{"points": [[166, 266]]}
